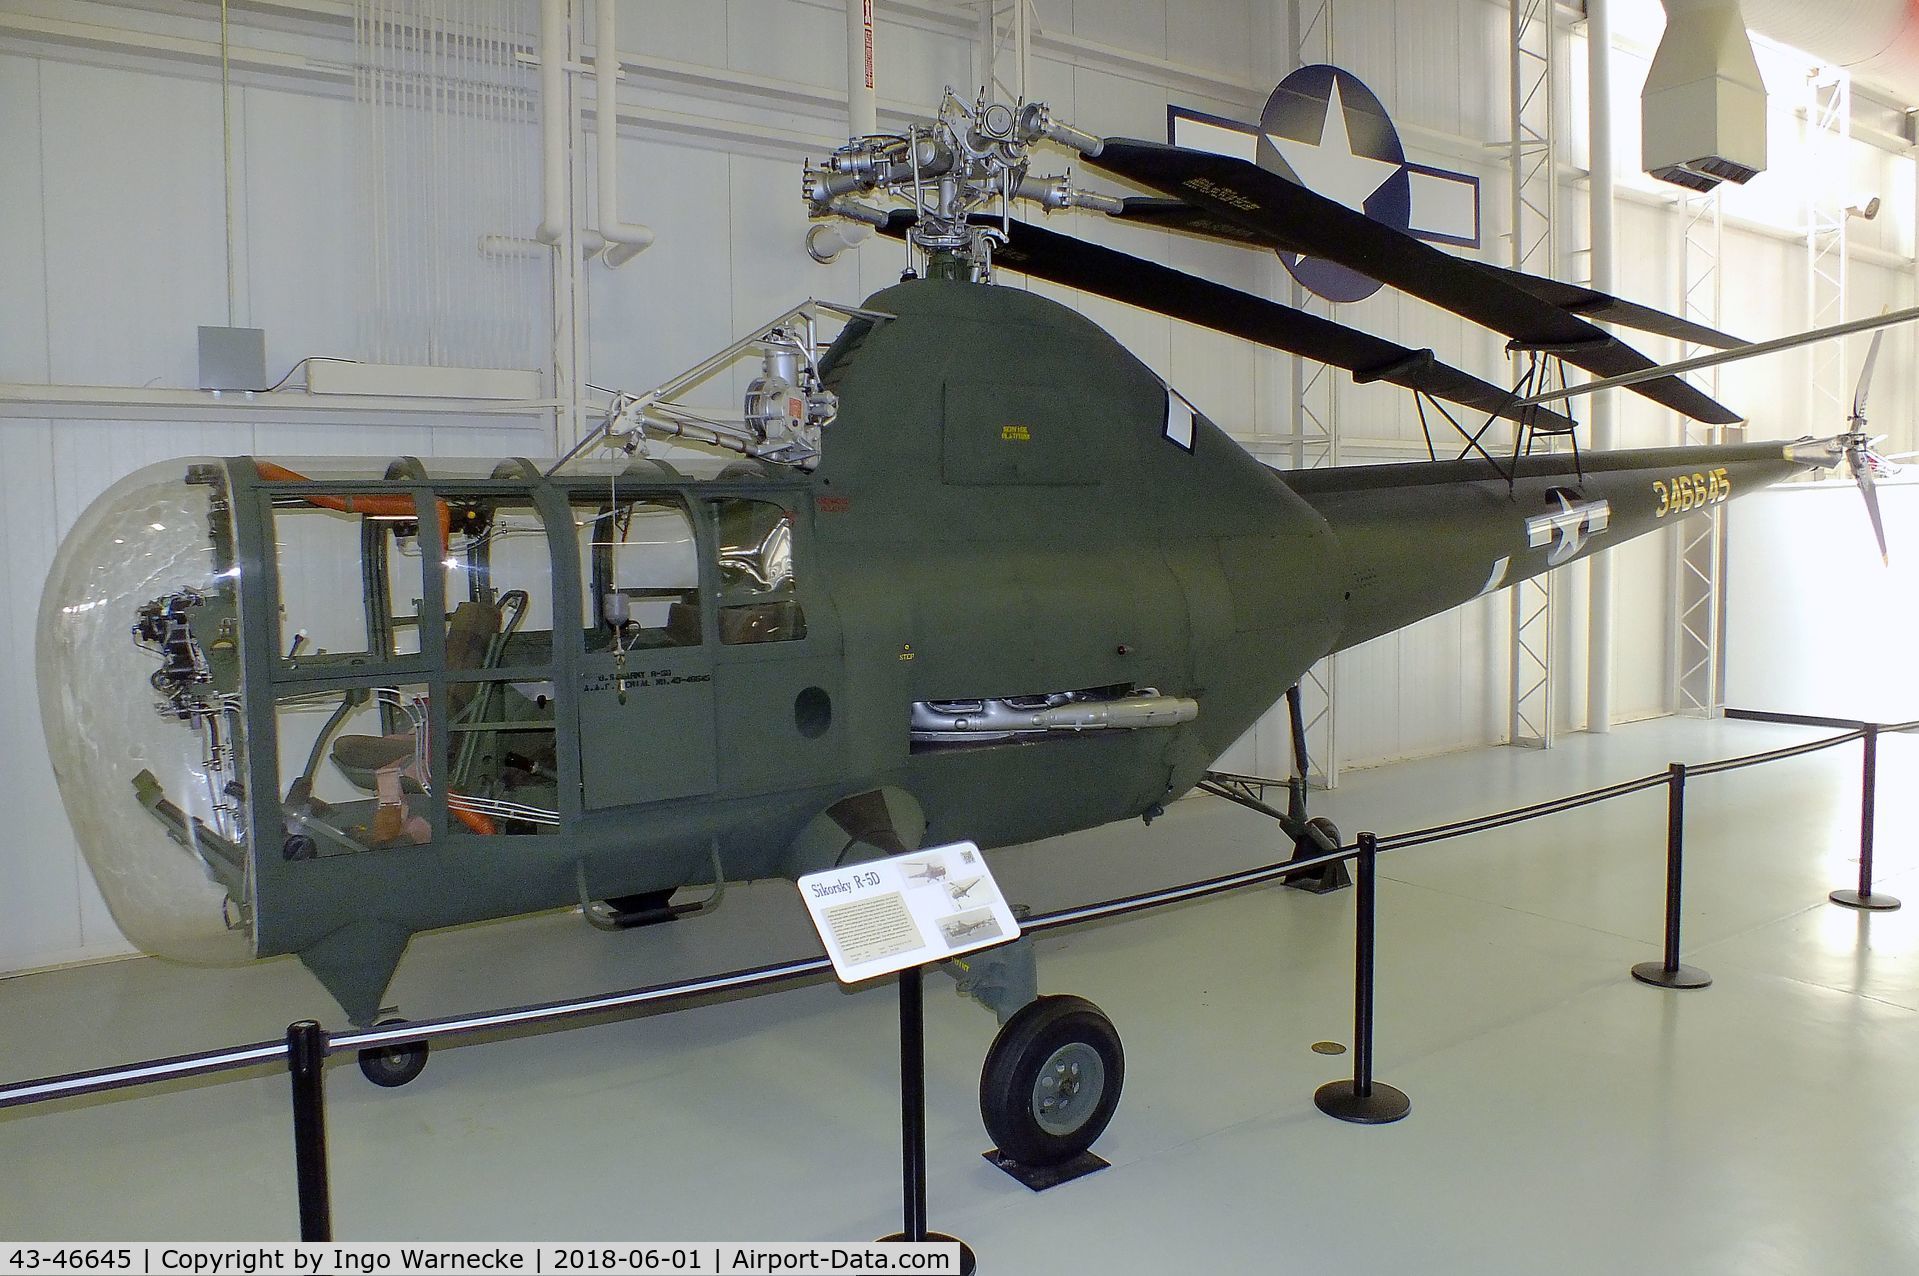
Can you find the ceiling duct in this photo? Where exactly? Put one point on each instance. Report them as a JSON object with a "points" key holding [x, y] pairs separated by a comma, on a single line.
{"points": [[1703, 113], [1876, 41]]}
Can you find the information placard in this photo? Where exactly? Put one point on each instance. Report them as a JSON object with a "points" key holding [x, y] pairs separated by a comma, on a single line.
{"points": [[923, 906]]}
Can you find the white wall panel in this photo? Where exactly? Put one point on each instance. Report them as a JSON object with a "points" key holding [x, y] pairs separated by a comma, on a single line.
{"points": [[24, 353], [1213, 34], [303, 243], [671, 306], [135, 223], [785, 39], [1138, 25], [683, 30], [40, 909]]}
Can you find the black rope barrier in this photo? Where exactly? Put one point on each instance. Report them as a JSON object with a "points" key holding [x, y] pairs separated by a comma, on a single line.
{"points": [[205, 1063], [1518, 815], [1777, 755], [1362, 1099]]}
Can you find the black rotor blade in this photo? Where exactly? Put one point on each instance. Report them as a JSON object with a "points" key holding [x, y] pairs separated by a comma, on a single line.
{"points": [[1061, 259], [1252, 197], [1177, 214], [1588, 303]]}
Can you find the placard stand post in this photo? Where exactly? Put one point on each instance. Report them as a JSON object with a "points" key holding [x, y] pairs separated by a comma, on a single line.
{"points": [[913, 1116]]}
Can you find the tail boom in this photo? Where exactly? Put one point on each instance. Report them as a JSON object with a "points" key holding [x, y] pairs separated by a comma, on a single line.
{"points": [[1418, 539]]}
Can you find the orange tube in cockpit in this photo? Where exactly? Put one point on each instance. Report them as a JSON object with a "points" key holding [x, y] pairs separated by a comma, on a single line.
{"points": [[373, 505]]}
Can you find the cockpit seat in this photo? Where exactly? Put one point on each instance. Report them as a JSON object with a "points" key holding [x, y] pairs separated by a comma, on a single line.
{"points": [[385, 764], [470, 632], [367, 754]]}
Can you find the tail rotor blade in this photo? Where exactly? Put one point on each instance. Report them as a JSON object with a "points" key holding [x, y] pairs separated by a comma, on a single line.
{"points": [[1862, 472], [1865, 377]]}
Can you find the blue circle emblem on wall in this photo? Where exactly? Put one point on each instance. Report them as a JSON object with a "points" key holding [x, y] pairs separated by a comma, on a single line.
{"points": [[1323, 128]]}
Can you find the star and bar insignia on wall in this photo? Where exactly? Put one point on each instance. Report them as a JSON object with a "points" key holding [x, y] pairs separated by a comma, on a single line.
{"points": [[1323, 128]]}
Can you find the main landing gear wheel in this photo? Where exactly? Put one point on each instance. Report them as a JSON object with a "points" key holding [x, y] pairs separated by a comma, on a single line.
{"points": [[1051, 1081], [393, 1066], [1322, 835]]}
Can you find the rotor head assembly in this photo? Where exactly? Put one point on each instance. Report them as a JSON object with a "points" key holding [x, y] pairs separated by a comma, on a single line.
{"points": [[955, 173]]}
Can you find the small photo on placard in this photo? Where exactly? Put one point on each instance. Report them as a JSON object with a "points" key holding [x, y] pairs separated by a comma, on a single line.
{"points": [[964, 892], [969, 928]]}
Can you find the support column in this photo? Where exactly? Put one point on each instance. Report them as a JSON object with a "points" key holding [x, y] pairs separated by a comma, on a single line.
{"points": [[1314, 401], [1698, 575], [1534, 32], [1605, 430]]}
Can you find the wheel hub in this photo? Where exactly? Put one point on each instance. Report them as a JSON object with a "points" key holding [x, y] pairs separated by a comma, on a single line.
{"points": [[1068, 1088]]}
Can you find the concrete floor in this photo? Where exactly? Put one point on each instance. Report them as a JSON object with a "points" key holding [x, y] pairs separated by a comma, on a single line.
{"points": [[1565, 1118]]}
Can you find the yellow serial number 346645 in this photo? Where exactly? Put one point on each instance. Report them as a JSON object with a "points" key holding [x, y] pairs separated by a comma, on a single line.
{"points": [[1684, 492]]}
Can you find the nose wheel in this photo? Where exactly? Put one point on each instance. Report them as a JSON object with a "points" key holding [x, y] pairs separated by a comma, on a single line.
{"points": [[1052, 1080], [393, 1066]]}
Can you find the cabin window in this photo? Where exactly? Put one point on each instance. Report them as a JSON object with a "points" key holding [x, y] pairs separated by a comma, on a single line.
{"points": [[349, 567], [357, 770], [639, 574], [502, 757], [758, 600], [499, 586]]}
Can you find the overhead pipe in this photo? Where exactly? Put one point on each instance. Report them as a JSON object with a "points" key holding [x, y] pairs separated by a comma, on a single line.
{"points": [[827, 240], [556, 121], [1599, 630], [624, 240]]}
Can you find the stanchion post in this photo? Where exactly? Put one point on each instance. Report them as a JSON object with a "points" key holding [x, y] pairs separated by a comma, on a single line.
{"points": [[1363, 1100], [306, 1064], [1668, 973], [1865, 897], [913, 1116]]}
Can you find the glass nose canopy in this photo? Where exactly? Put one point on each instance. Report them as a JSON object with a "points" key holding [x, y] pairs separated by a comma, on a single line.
{"points": [[139, 673]]}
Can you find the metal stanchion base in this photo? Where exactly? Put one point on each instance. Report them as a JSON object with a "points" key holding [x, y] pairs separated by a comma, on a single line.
{"points": [[1320, 881], [968, 1264], [1342, 1100], [1040, 1177], [1656, 974], [1875, 902]]}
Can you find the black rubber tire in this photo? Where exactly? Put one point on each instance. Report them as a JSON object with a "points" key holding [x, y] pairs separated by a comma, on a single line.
{"points": [[1326, 827], [1017, 1066], [393, 1066]]}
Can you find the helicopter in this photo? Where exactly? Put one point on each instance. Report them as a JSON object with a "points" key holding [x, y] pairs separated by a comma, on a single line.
{"points": [[972, 571]]}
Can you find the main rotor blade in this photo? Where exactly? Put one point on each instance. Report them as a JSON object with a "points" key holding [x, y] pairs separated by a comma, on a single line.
{"points": [[1061, 259], [1260, 200], [1588, 303]]}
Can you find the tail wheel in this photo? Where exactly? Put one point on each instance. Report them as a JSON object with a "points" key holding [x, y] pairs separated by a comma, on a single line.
{"points": [[1051, 1081], [393, 1066]]}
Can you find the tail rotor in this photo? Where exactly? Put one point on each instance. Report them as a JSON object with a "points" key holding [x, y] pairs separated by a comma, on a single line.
{"points": [[1857, 446]]}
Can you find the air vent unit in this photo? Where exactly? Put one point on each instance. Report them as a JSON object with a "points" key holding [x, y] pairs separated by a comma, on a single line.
{"points": [[1703, 113]]}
